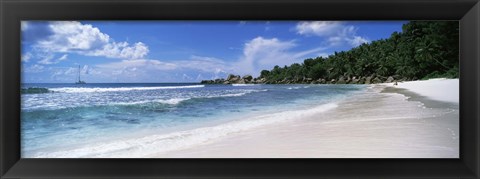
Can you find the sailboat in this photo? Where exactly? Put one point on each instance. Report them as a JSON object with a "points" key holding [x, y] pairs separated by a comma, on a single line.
{"points": [[79, 81]]}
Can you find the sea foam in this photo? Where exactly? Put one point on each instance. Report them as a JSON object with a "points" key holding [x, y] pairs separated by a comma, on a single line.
{"points": [[172, 101], [154, 144], [93, 90], [243, 84]]}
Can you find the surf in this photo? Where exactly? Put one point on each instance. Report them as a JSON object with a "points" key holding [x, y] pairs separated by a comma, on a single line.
{"points": [[100, 90]]}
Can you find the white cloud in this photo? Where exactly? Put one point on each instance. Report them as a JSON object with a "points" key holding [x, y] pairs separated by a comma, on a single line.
{"points": [[86, 70], [34, 68], [266, 51], [357, 40], [47, 59], [71, 71], [139, 70], [73, 36], [204, 64], [324, 55], [84, 39], [26, 57], [261, 53], [63, 57], [185, 77], [319, 28], [139, 63], [157, 70], [70, 74], [258, 54], [335, 32], [220, 73], [199, 77], [121, 50]]}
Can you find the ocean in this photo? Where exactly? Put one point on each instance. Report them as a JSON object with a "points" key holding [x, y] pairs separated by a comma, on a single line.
{"points": [[102, 120]]}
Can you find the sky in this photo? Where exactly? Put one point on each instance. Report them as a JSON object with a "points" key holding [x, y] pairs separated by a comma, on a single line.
{"points": [[181, 51]]}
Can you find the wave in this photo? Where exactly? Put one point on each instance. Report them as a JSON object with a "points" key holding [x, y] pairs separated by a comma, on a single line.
{"points": [[298, 87], [31, 103], [172, 101], [243, 84], [175, 101], [239, 94], [159, 143], [93, 90]]}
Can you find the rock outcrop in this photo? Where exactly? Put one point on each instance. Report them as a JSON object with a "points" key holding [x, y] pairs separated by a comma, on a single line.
{"points": [[235, 79], [389, 79], [376, 80], [341, 80], [344, 79]]}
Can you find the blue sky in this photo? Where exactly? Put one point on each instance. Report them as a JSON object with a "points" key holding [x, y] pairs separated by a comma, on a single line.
{"points": [[181, 51]]}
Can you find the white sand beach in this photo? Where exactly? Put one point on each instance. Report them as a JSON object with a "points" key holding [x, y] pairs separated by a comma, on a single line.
{"points": [[440, 89], [418, 119]]}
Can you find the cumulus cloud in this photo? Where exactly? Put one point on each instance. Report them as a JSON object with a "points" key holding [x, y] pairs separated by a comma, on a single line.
{"points": [[121, 50], [336, 33], [319, 28], [258, 53], [73, 36], [263, 53], [84, 39]]}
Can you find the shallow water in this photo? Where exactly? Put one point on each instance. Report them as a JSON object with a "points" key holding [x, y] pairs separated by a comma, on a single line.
{"points": [[101, 120]]}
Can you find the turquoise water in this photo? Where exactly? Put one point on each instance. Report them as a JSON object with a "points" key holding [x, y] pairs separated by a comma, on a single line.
{"points": [[80, 120]]}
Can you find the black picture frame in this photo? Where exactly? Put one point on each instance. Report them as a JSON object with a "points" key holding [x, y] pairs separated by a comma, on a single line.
{"points": [[13, 11]]}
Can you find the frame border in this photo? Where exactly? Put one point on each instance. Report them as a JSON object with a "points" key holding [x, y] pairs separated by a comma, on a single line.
{"points": [[13, 11]]}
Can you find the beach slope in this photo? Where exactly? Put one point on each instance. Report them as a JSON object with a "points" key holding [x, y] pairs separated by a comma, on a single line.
{"points": [[418, 119]]}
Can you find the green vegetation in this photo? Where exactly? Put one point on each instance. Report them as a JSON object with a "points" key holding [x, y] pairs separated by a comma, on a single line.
{"points": [[424, 49]]}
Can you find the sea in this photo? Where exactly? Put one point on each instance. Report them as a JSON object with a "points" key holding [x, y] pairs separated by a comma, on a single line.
{"points": [[139, 120]]}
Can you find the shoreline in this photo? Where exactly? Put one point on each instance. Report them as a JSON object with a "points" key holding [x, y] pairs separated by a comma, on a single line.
{"points": [[377, 121], [385, 122]]}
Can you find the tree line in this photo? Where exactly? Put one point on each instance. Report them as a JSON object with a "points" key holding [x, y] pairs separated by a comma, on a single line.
{"points": [[423, 50]]}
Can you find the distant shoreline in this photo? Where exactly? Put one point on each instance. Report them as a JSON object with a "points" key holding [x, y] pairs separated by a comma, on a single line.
{"points": [[248, 79]]}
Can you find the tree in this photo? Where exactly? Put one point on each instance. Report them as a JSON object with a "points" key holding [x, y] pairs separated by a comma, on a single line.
{"points": [[423, 49]]}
